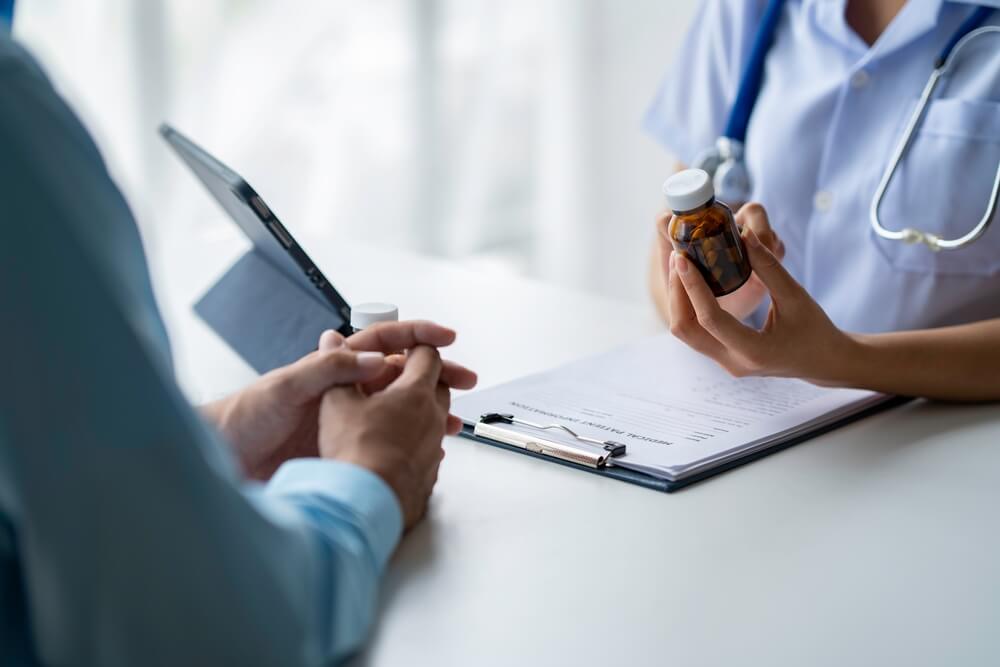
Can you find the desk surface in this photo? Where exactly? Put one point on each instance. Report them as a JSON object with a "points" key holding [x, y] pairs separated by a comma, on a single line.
{"points": [[875, 544]]}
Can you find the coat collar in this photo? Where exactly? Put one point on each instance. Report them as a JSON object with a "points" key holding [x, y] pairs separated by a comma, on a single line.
{"points": [[915, 19]]}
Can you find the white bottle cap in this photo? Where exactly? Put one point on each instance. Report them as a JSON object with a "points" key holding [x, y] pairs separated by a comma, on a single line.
{"points": [[687, 190], [364, 315]]}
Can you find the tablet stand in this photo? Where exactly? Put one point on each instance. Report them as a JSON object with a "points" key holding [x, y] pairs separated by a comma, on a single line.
{"points": [[268, 318]]}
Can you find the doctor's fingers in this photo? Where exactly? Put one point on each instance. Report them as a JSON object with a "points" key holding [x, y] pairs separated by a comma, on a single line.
{"points": [[779, 282], [682, 315], [665, 250], [664, 256], [684, 324], [663, 224], [754, 216], [739, 340]]}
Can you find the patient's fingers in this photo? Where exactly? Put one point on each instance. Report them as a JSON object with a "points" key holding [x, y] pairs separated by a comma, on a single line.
{"points": [[390, 337], [454, 425], [392, 370], [457, 376], [330, 340], [453, 375]]}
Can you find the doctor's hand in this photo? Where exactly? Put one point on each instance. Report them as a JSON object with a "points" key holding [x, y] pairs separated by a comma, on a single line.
{"points": [[744, 301], [277, 417], [395, 432], [798, 339]]}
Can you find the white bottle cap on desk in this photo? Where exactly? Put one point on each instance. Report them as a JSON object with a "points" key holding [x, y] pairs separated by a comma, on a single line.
{"points": [[364, 315], [687, 190]]}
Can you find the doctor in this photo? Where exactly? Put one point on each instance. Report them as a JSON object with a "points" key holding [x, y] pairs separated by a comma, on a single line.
{"points": [[839, 81]]}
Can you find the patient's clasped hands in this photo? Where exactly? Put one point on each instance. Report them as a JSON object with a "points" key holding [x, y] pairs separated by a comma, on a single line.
{"points": [[357, 400]]}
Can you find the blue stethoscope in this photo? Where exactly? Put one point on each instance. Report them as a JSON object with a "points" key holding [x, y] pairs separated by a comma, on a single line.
{"points": [[725, 160], [6, 12]]}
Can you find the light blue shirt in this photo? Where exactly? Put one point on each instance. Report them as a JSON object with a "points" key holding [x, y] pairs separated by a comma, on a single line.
{"points": [[126, 534], [830, 112]]}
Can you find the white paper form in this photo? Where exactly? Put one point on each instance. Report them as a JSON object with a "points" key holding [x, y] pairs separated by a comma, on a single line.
{"points": [[676, 411]]}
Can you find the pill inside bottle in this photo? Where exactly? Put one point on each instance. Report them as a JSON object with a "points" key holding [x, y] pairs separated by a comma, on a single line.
{"points": [[705, 232]]}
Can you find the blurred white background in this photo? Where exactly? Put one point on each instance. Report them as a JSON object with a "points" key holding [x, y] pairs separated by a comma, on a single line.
{"points": [[504, 135]]}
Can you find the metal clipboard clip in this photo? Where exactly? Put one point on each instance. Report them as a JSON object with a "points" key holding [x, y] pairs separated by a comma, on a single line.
{"points": [[487, 428]]}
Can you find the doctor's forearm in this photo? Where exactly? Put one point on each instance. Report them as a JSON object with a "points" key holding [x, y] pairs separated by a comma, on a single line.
{"points": [[960, 363]]}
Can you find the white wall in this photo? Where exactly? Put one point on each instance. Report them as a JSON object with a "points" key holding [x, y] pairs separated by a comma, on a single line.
{"points": [[503, 135], [609, 178]]}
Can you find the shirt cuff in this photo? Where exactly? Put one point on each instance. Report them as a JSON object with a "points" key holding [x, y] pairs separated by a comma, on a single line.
{"points": [[362, 492]]}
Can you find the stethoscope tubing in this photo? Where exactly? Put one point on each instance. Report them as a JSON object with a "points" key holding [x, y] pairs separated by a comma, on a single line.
{"points": [[725, 161], [943, 66]]}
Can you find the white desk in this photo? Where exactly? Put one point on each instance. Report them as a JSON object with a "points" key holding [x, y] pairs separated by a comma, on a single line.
{"points": [[875, 544]]}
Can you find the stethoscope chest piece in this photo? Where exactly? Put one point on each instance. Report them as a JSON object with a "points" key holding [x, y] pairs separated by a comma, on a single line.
{"points": [[724, 162], [708, 160]]}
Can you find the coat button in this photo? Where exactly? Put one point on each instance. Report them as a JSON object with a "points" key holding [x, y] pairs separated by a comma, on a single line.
{"points": [[823, 201]]}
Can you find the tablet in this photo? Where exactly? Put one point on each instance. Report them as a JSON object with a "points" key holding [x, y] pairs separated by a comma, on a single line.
{"points": [[269, 237]]}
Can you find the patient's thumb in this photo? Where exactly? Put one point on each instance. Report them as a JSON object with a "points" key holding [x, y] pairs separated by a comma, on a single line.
{"points": [[330, 340]]}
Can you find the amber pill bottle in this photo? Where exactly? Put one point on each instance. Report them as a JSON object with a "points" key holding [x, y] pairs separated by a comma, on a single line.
{"points": [[704, 230]]}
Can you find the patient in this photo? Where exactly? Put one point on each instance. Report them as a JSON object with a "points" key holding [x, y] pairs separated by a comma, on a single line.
{"points": [[130, 532]]}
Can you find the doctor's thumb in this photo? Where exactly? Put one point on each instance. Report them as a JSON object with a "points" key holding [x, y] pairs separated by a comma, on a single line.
{"points": [[768, 268], [754, 216]]}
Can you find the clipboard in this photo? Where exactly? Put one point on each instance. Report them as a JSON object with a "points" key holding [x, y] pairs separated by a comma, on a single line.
{"points": [[614, 472], [495, 437]]}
